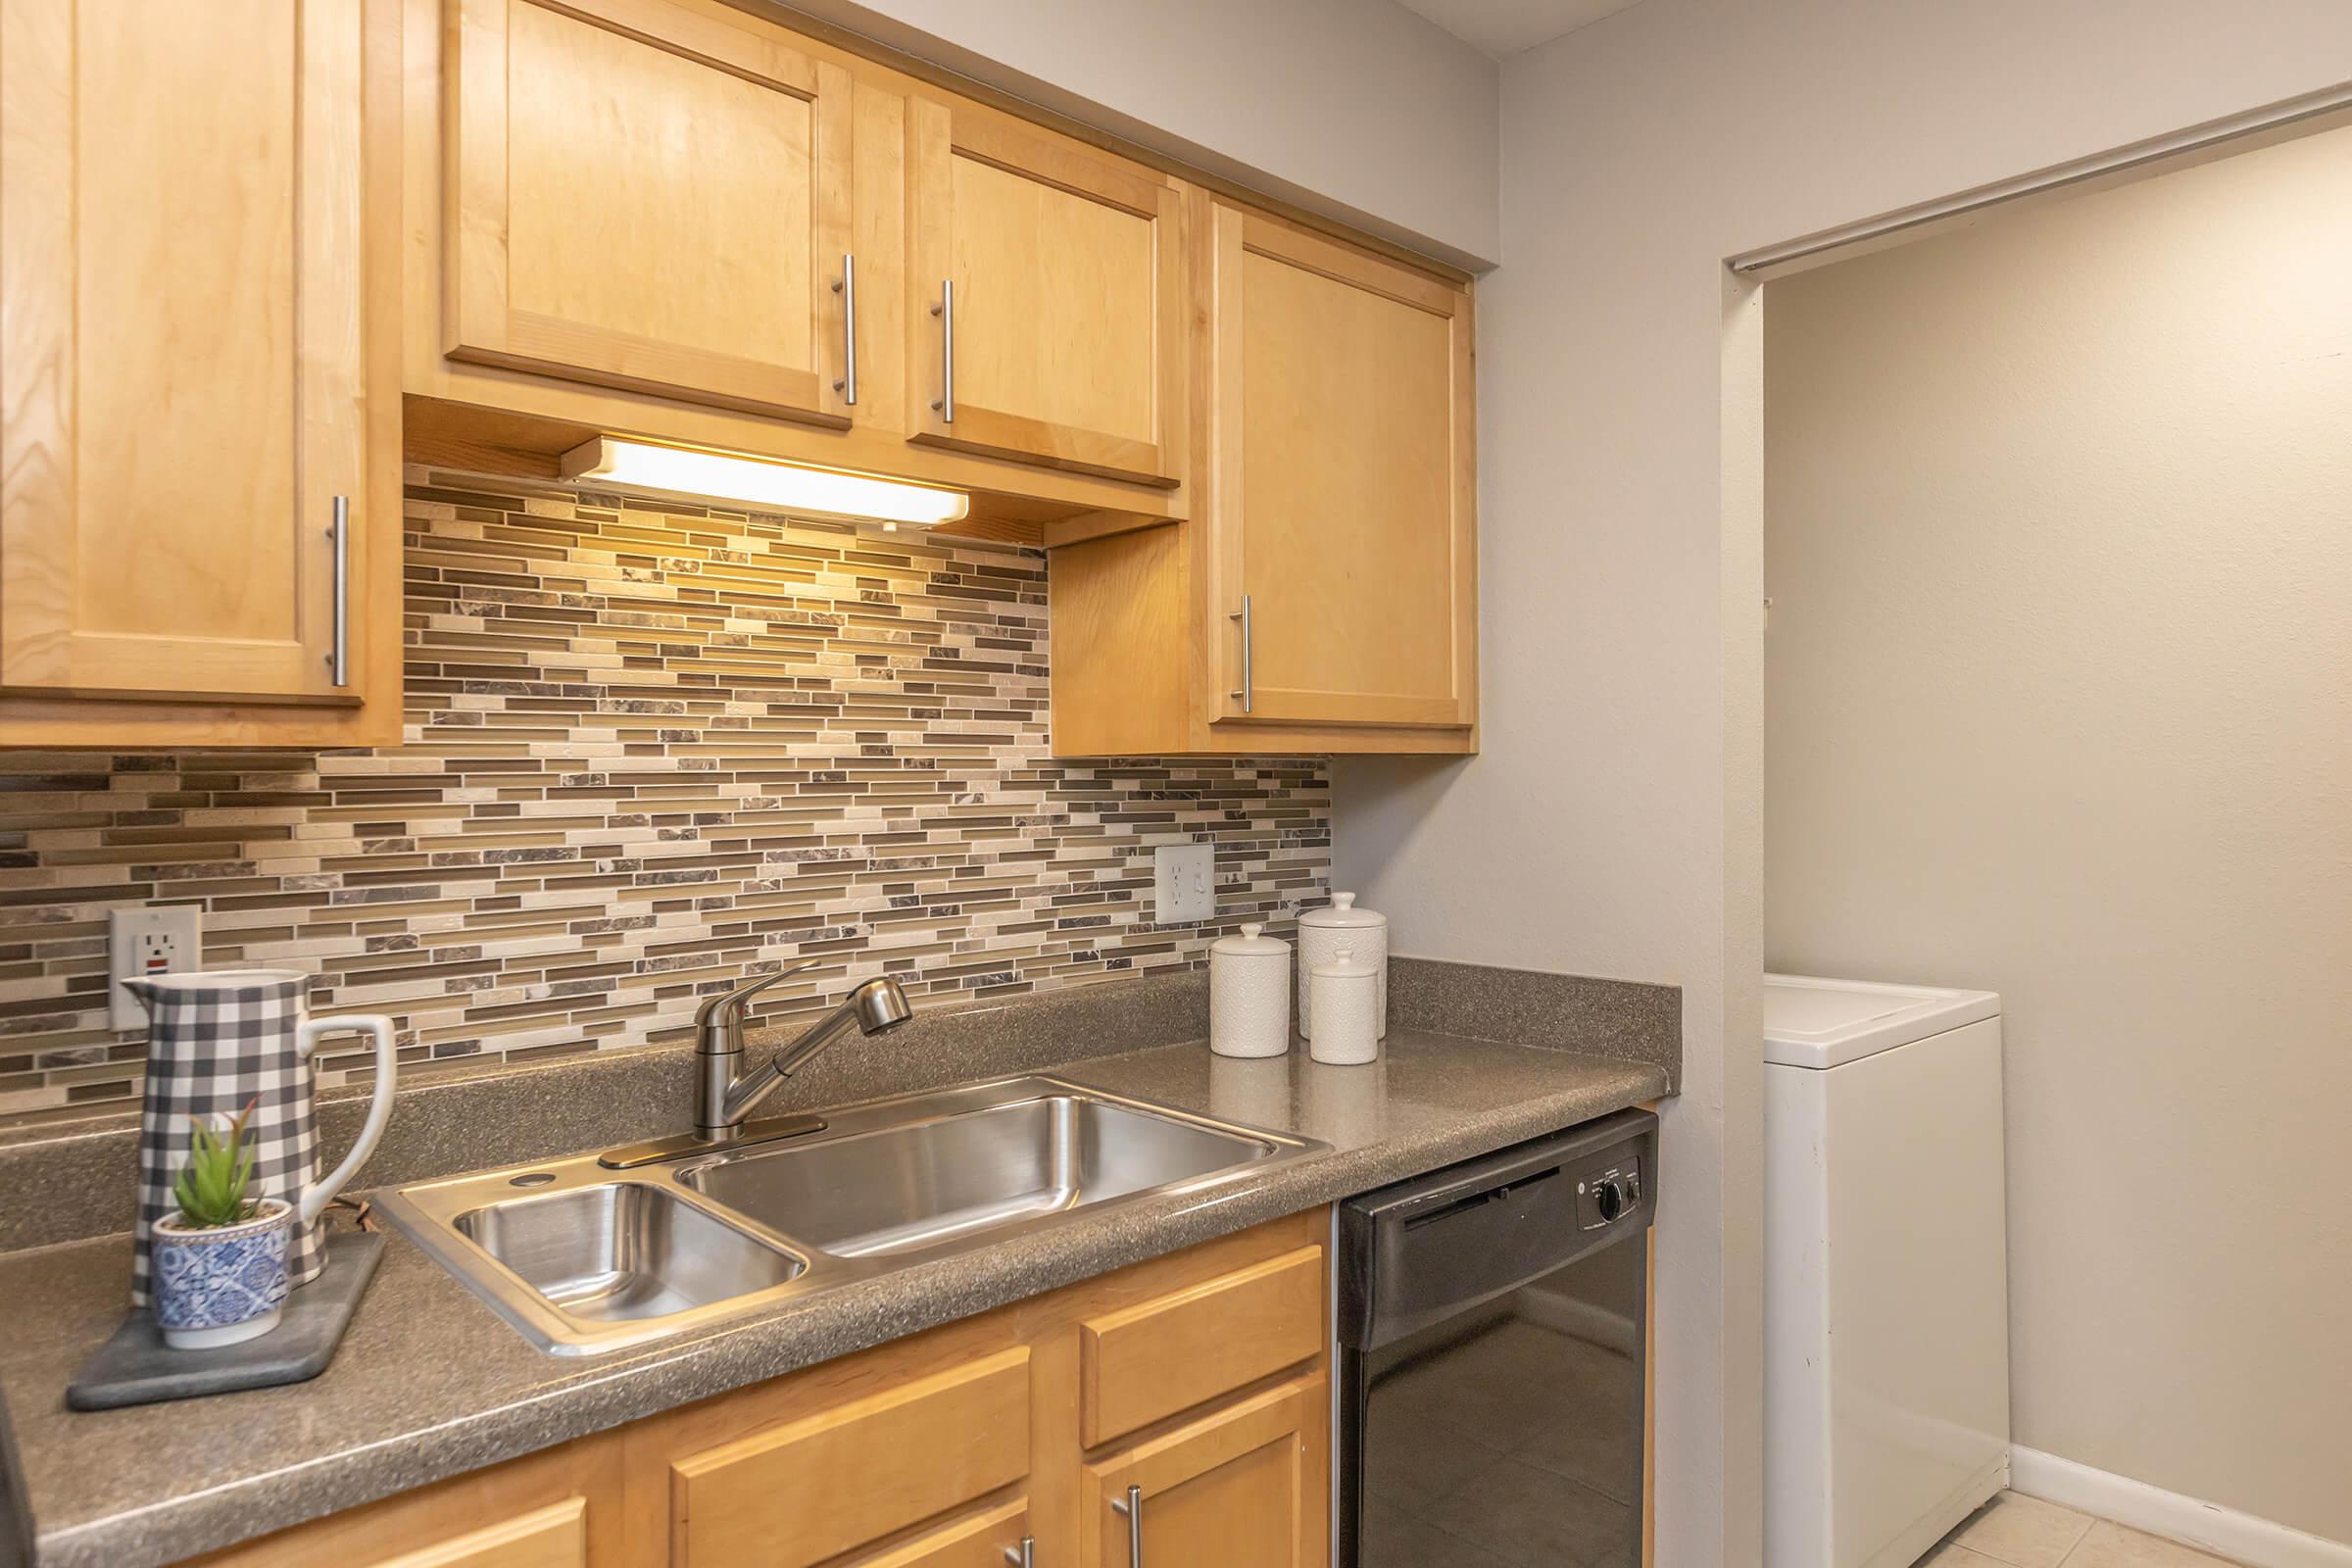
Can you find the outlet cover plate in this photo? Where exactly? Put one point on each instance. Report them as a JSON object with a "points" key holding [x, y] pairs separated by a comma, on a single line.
{"points": [[149, 939], [1183, 883]]}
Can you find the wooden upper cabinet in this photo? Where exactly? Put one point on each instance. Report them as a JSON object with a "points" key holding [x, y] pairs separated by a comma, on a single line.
{"points": [[643, 195], [1062, 343], [192, 352], [1343, 486]]}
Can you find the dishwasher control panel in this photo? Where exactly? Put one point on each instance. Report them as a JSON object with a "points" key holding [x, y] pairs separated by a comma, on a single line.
{"points": [[1608, 1194]]}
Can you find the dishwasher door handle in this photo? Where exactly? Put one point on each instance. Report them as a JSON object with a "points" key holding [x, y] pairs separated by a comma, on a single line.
{"points": [[1416, 1252], [1492, 1195]]}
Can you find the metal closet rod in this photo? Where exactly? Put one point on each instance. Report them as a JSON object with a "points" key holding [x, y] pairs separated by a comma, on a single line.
{"points": [[2274, 122]]}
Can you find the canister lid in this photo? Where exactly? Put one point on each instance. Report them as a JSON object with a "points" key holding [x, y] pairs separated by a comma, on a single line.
{"points": [[1343, 915], [1252, 945], [1343, 966]]}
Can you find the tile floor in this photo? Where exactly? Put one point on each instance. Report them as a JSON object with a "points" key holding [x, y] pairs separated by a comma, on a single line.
{"points": [[1471, 1464], [2015, 1530]]}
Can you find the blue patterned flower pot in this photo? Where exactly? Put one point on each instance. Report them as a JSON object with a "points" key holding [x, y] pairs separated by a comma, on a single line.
{"points": [[221, 1284]]}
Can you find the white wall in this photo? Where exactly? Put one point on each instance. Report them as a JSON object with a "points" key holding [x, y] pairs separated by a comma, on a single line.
{"points": [[2058, 534], [1357, 109], [1612, 824]]}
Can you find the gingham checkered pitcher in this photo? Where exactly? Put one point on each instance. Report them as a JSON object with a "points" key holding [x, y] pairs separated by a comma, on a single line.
{"points": [[217, 1039]]}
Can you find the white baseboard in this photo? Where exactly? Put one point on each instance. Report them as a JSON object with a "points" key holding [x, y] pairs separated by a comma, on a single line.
{"points": [[2207, 1524]]}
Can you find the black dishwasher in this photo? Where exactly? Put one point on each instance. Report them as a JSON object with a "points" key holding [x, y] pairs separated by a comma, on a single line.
{"points": [[1491, 1325]]}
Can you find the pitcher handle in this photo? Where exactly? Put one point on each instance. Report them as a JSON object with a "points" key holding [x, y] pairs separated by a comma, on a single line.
{"points": [[307, 1036]]}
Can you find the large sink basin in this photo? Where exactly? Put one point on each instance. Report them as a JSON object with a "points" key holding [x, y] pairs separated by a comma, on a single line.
{"points": [[584, 1259], [920, 1185]]}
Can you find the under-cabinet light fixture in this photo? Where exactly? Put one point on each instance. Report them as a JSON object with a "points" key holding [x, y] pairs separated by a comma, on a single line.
{"points": [[783, 486]]}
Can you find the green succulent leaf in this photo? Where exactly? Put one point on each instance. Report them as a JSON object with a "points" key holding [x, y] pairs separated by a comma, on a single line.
{"points": [[211, 1187]]}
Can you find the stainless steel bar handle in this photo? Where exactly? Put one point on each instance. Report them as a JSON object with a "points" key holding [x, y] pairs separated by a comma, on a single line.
{"points": [[1023, 1555], [1132, 1505], [1248, 692], [338, 661], [945, 310], [847, 288]]}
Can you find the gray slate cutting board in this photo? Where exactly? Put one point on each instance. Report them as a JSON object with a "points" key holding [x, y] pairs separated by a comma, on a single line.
{"points": [[136, 1368]]}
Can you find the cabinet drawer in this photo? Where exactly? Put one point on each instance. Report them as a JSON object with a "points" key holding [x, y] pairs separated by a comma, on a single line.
{"points": [[1146, 1362], [553, 1537], [819, 1486], [558, 1508]]}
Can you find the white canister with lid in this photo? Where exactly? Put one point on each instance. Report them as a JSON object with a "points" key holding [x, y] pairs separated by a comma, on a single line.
{"points": [[1347, 1010], [1322, 933], [1250, 994]]}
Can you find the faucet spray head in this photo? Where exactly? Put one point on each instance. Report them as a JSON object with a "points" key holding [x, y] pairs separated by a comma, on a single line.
{"points": [[880, 1006]]}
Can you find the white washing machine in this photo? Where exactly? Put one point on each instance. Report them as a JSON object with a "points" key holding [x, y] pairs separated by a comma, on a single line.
{"points": [[1885, 1270]]}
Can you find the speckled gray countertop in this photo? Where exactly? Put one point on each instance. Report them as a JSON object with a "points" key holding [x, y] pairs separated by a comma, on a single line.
{"points": [[430, 1384]]}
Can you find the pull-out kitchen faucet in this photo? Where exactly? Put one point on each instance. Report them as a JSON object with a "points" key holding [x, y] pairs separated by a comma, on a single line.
{"points": [[724, 1094]]}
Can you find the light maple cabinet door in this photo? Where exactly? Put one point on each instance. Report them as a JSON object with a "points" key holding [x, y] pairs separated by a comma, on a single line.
{"points": [[1343, 483], [186, 366], [1044, 297], [1242, 1487], [649, 196]]}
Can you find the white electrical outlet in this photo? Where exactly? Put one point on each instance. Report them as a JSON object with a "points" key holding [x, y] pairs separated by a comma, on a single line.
{"points": [[152, 939], [1183, 883]]}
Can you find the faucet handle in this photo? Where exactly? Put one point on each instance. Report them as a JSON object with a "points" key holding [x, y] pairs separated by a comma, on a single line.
{"points": [[725, 1012]]}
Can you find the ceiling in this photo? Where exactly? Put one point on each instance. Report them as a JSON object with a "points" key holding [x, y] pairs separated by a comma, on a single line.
{"points": [[1500, 28]]}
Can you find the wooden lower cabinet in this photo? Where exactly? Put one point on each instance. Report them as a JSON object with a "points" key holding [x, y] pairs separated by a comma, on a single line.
{"points": [[1199, 1379], [990, 1540], [1244, 1487]]}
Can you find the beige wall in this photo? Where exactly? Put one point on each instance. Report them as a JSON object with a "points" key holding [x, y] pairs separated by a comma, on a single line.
{"points": [[1612, 824], [2058, 533], [1357, 109]]}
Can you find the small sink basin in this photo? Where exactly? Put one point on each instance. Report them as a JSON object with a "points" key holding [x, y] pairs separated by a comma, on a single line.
{"points": [[919, 1185], [625, 1251], [583, 1260]]}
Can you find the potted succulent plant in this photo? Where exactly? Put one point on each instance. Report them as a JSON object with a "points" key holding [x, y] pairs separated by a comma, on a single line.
{"points": [[221, 1260]]}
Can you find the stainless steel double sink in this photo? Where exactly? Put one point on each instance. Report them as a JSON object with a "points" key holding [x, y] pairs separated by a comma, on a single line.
{"points": [[583, 1260]]}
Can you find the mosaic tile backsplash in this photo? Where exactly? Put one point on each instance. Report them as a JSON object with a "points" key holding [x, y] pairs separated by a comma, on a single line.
{"points": [[649, 747]]}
